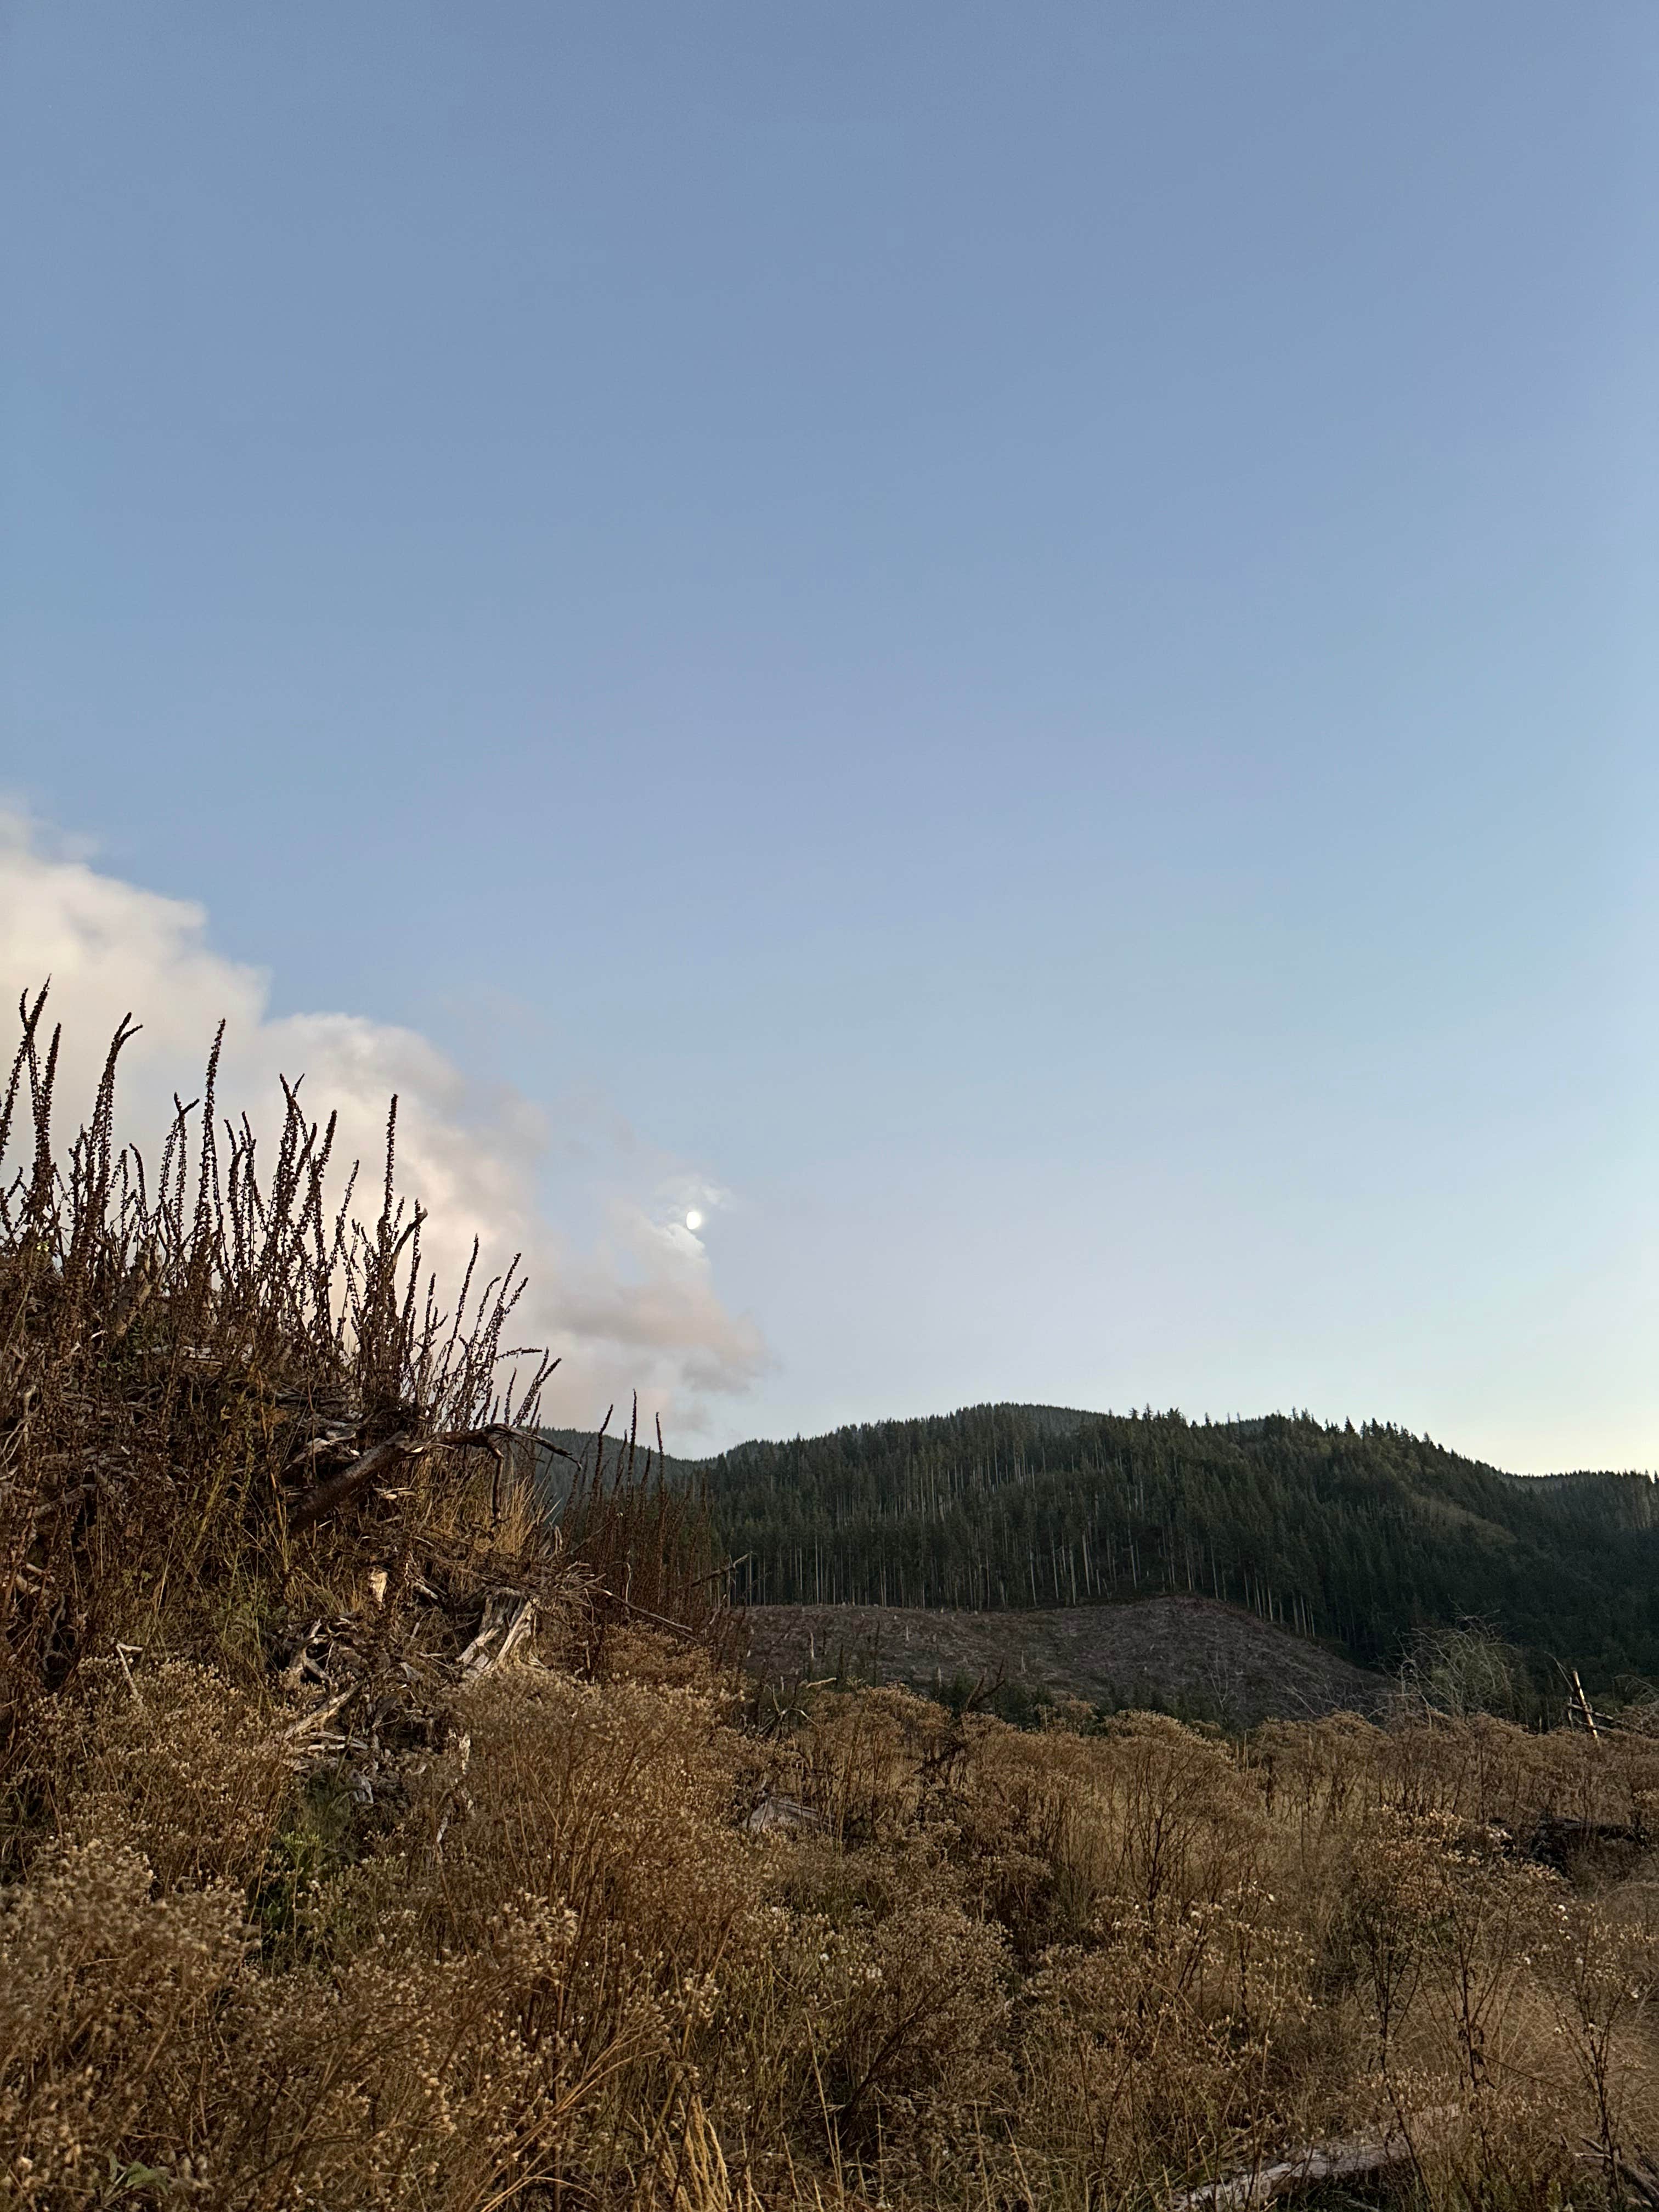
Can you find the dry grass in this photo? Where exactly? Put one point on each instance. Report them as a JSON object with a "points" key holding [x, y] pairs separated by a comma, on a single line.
{"points": [[366, 1844]]}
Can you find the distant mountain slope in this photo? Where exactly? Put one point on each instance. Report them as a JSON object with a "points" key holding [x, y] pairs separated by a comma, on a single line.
{"points": [[1357, 1535]]}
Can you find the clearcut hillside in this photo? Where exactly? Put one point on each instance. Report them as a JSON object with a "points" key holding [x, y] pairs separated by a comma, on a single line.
{"points": [[1356, 1536]]}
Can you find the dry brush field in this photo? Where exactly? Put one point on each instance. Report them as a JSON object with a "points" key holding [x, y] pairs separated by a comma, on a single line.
{"points": [[366, 1841]]}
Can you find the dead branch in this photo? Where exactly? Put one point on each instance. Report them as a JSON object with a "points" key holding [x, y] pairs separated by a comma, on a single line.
{"points": [[329, 1496], [341, 1489]]}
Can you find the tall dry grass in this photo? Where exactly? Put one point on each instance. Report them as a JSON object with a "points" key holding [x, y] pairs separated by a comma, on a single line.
{"points": [[369, 1842]]}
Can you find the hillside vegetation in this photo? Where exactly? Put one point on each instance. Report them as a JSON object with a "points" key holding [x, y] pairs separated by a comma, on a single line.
{"points": [[1188, 1656], [1359, 1536], [367, 1840]]}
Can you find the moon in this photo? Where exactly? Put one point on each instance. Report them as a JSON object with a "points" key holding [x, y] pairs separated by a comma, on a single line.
{"points": [[694, 1220]]}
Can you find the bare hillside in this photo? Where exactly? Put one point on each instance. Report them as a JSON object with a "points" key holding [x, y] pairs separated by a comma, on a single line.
{"points": [[1210, 1657]]}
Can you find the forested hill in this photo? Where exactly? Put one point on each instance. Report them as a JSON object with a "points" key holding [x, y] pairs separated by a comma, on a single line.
{"points": [[1358, 1534]]}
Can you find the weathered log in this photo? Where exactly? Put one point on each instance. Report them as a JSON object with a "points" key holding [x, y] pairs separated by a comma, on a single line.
{"points": [[1346, 2160]]}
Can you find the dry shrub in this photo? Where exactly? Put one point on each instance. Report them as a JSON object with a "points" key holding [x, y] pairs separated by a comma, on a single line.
{"points": [[1173, 2041], [401, 2077], [1147, 1812], [650, 1545], [1598, 1967], [907, 2039], [177, 1764], [104, 1988], [206, 1364], [874, 2010], [662, 1662], [876, 1764], [615, 1799], [136, 2037], [611, 1805]]}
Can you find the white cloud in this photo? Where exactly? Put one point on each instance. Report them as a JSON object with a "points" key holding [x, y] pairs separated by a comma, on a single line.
{"points": [[638, 1310]]}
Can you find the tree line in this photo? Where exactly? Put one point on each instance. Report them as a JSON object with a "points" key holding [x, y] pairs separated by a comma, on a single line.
{"points": [[1358, 1535]]}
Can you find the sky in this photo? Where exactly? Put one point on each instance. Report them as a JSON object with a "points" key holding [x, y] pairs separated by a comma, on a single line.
{"points": [[1007, 652]]}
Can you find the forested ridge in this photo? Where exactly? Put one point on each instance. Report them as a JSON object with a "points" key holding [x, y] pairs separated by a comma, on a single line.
{"points": [[1358, 1534]]}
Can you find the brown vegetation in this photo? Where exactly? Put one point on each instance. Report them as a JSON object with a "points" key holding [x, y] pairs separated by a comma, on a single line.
{"points": [[1202, 1659], [368, 1842]]}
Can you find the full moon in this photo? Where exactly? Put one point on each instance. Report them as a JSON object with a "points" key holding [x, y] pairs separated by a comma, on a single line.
{"points": [[694, 1219]]}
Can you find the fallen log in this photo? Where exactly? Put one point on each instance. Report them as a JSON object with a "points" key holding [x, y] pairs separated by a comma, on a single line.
{"points": [[1349, 2159]]}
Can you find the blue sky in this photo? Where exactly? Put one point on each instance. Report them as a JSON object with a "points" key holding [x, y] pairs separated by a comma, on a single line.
{"points": [[1022, 638]]}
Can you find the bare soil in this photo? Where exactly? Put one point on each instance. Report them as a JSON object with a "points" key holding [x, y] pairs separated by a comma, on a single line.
{"points": [[1188, 1653]]}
